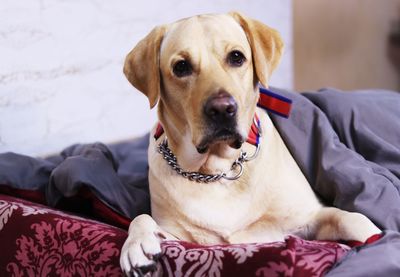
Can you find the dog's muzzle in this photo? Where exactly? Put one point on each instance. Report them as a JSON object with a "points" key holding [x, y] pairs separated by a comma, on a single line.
{"points": [[220, 113]]}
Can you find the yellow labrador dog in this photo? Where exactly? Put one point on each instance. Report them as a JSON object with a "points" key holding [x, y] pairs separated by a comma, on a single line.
{"points": [[204, 73]]}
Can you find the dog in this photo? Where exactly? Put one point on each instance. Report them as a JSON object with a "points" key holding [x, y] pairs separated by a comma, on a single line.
{"points": [[204, 72]]}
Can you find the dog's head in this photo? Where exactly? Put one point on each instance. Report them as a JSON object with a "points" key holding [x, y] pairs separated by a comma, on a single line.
{"points": [[204, 72]]}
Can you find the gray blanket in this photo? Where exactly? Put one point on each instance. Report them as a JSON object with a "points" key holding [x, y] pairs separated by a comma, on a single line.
{"points": [[346, 144], [348, 147]]}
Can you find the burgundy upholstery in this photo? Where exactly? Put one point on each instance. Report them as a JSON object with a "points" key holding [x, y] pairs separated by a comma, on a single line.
{"points": [[40, 241]]}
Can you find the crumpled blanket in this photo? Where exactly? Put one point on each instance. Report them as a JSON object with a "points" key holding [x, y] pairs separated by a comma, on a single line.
{"points": [[346, 144], [348, 147], [115, 174]]}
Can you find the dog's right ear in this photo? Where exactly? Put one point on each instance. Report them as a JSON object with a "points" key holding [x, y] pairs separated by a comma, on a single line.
{"points": [[142, 65]]}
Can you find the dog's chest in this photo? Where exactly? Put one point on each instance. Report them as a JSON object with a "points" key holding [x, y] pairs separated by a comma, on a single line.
{"points": [[211, 212], [218, 208], [212, 223]]}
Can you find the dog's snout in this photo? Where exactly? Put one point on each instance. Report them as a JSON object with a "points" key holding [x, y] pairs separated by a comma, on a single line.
{"points": [[220, 107]]}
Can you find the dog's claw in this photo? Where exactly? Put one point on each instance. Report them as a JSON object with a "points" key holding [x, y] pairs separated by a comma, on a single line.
{"points": [[147, 268], [141, 271], [132, 273], [157, 257], [139, 256]]}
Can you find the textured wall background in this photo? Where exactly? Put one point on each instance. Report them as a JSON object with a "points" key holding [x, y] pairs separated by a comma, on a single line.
{"points": [[61, 78]]}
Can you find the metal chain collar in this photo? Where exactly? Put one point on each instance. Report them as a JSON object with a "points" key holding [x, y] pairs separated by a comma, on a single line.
{"points": [[237, 165]]}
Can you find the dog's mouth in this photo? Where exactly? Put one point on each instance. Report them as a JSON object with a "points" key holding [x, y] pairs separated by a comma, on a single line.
{"points": [[227, 136]]}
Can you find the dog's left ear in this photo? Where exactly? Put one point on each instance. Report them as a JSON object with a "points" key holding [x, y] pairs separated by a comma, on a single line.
{"points": [[142, 65], [266, 46]]}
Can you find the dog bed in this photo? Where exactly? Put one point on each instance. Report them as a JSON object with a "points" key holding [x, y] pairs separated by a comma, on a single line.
{"points": [[350, 154]]}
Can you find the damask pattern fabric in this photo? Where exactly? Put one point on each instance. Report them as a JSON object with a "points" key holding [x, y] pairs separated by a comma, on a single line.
{"points": [[39, 241], [294, 257]]}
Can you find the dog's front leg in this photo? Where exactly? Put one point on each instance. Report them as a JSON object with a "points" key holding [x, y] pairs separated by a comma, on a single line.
{"points": [[336, 224], [141, 249]]}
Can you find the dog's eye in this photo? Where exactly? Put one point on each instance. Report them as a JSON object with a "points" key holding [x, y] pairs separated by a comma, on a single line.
{"points": [[236, 58], [182, 68]]}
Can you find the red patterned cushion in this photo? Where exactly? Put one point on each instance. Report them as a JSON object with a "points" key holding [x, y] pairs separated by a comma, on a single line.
{"points": [[39, 241], [294, 257]]}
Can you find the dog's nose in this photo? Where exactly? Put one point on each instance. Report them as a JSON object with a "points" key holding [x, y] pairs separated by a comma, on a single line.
{"points": [[220, 107]]}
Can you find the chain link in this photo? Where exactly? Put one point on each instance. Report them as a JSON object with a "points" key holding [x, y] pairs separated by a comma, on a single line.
{"points": [[164, 150]]}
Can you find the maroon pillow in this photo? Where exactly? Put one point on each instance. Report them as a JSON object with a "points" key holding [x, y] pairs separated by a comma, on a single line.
{"points": [[40, 241], [293, 257]]}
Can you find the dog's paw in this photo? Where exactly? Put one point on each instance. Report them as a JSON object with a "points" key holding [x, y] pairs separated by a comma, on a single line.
{"points": [[335, 224], [139, 255], [358, 227]]}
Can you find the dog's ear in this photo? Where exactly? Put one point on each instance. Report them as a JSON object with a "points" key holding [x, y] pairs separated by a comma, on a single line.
{"points": [[266, 45], [142, 65]]}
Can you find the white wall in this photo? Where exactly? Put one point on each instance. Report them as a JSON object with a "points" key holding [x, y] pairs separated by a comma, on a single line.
{"points": [[61, 78]]}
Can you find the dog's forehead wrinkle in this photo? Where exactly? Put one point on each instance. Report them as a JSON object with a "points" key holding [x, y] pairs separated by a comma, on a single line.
{"points": [[184, 30], [205, 29]]}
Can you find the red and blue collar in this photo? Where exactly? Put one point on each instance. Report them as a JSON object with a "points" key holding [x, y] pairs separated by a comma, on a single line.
{"points": [[269, 101], [274, 103]]}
